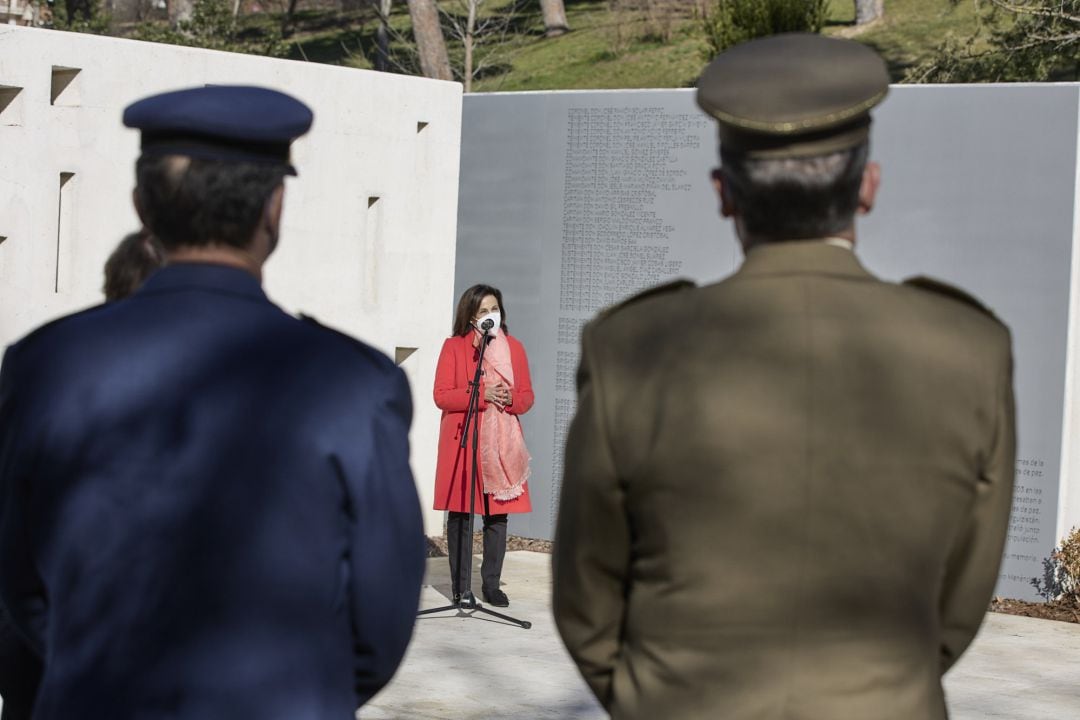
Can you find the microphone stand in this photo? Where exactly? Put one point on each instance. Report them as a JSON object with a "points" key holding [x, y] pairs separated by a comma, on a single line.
{"points": [[468, 601]]}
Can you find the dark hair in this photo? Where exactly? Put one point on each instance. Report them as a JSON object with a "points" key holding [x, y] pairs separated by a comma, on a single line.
{"points": [[470, 303], [796, 198], [136, 258], [191, 201]]}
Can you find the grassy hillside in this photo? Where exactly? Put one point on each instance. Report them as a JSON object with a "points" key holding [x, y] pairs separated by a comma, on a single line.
{"points": [[610, 47]]}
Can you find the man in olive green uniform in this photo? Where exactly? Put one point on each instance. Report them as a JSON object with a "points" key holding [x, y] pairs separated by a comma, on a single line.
{"points": [[786, 494]]}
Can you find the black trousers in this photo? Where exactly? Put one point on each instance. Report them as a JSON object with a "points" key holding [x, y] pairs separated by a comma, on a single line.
{"points": [[458, 533]]}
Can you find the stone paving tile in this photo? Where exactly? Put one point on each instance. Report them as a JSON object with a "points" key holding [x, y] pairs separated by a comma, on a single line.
{"points": [[461, 666], [468, 668], [1018, 668]]}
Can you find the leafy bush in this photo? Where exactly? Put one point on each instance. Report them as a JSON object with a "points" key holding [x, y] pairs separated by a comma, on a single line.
{"points": [[1021, 41], [213, 26], [1061, 572], [85, 16], [730, 22]]}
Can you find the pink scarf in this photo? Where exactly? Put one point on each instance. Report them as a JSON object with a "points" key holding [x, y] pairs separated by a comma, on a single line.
{"points": [[503, 455]]}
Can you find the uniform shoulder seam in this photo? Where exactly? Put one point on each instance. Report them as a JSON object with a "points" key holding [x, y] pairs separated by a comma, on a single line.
{"points": [[656, 291], [359, 345], [29, 337], [933, 285]]}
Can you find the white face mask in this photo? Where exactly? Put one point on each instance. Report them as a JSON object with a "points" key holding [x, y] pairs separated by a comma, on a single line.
{"points": [[496, 322]]}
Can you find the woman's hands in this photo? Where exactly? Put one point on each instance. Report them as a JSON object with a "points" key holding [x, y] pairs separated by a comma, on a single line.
{"points": [[499, 393]]}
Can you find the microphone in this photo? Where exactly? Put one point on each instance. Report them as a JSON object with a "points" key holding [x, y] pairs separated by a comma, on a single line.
{"points": [[489, 326]]}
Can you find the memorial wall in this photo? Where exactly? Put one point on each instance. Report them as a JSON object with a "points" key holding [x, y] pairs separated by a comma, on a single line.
{"points": [[367, 242], [570, 201]]}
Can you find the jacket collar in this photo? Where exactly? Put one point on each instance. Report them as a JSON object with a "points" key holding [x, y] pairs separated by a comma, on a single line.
{"points": [[802, 257], [204, 276]]}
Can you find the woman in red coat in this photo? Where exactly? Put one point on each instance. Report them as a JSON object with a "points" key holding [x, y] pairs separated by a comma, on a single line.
{"points": [[505, 392]]}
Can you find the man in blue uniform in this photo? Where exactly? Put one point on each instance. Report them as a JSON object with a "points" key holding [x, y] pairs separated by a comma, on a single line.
{"points": [[206, 507]]}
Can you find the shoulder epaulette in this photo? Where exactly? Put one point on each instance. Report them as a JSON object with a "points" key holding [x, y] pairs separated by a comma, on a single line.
{"points": [[356, 343], [41, 329], [664, 289], [936, 286], [310, 320]]}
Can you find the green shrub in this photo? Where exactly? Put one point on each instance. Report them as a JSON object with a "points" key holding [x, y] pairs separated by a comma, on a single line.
{"points": [[1023, 41], [85, 16], [730, 22], [213, 26]]}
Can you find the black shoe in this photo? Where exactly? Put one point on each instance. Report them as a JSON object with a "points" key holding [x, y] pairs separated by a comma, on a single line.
{"points": [[496, 597]]}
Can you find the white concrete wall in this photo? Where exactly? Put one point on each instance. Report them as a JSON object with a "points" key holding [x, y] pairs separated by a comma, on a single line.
{"points": [[381, 270]]}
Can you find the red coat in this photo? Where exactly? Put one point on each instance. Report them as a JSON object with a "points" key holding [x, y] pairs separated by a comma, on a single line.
{"points": [[456, 368]]}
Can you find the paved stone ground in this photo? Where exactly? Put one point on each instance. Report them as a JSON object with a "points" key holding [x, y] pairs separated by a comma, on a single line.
{"points": [[477, 668], [462, 667], [1018, 668]]}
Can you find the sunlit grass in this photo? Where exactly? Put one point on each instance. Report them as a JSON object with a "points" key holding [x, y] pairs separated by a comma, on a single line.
{"points": [[611, 49]]}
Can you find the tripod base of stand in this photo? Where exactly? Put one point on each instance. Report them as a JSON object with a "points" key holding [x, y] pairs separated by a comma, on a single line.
{"points": [[469, 602]]}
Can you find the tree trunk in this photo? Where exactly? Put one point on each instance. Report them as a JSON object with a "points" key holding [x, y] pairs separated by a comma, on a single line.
{"points": [[125, 11], [868, 11], [382, 37], [287, 23], [554, 17], [430, 44], [180, 11], [470, 29], [78, 10]]}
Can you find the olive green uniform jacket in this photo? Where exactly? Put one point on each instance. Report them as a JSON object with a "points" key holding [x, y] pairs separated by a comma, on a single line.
{"points": [[785, 495]]}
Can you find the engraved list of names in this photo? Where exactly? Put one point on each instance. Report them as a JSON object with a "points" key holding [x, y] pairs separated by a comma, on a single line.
{"points": [[621, 164]]}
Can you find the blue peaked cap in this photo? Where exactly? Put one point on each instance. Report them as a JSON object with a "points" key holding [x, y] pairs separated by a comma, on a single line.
{"points": [[236, 123]]}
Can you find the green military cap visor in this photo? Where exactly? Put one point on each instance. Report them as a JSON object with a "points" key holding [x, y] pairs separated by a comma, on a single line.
{"points": [[793, 95]]}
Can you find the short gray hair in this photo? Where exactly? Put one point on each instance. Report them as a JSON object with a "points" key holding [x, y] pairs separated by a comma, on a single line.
{"points": [[795, 198]]}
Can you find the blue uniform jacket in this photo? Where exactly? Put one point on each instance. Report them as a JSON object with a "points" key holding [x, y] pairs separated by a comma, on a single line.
{"points": [[206, 507]]}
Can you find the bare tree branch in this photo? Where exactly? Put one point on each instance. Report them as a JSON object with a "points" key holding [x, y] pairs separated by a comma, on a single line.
{"points": [[1027, 40], [1034, 10]]}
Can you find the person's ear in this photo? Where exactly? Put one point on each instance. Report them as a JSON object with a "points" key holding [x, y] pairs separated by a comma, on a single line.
{"points": [[868, 188], [274, 206], [138, 206], [723, 191], [272, 215]]}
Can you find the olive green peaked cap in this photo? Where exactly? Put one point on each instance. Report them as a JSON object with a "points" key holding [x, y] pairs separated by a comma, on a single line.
{"points": [[793, 95]]}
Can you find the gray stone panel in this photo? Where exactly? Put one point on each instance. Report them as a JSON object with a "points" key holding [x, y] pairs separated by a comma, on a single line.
{"points": [[571, 201]]}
